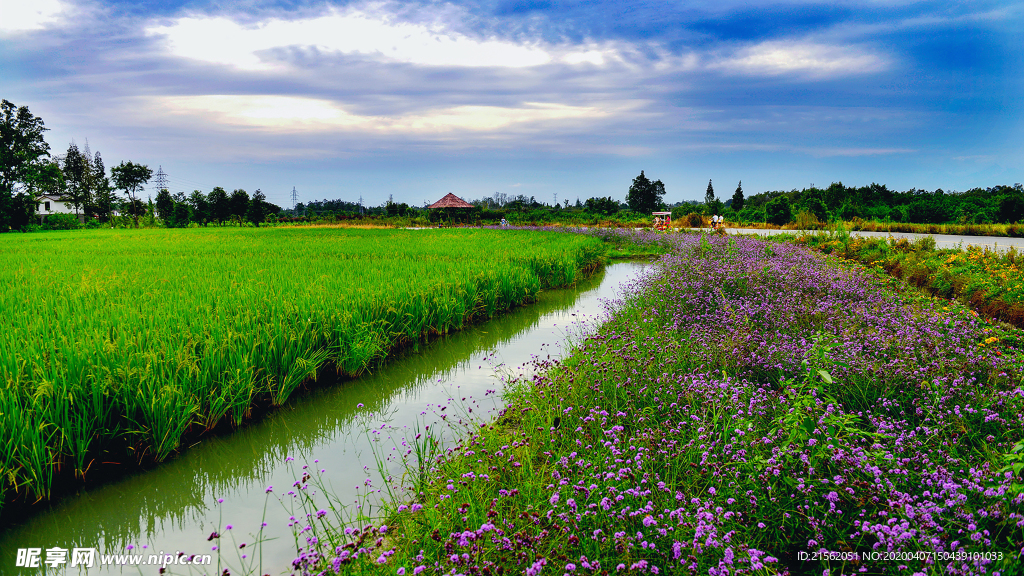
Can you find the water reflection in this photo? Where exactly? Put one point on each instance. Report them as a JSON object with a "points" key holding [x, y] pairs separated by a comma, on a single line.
{"points": [[174, 506]]}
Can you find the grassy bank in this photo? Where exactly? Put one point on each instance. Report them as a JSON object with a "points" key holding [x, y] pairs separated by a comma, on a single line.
{"points": [[990, 282], [117, 344], [747, 405]]}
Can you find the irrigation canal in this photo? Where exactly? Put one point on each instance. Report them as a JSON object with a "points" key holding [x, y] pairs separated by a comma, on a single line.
{"points": [[174, 506]]}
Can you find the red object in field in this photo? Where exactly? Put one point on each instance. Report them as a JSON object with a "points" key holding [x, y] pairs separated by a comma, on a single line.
{"points": [[662, 220], [451, 201]]}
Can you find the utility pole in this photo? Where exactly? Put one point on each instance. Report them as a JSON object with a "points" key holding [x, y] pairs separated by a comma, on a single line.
{"points": [[161, 179], [295, 198], [556, 198]]}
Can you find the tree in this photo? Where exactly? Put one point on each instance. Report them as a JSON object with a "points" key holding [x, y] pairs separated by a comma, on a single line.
{"points": [[220, 205], [737, 197], [131, 177], [165, 207], [44, 177], [21, 150], [778, 211], [239, 204], [644, 195], [21, 144], [257, 211], [200, 207], [709, 196], [103, 192], [606, 205], [815, 206], [77, 174], [182, 214], [1011, 209]]}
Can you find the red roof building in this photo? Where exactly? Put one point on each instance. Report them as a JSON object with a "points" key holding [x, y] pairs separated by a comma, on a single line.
{"points": [[451, 201]]}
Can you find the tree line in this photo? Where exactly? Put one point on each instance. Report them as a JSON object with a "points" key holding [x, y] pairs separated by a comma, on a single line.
{"points": [[80, 179]]}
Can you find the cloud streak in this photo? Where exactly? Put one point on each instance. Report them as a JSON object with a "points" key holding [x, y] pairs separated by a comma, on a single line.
{"points": [[607, 84]]}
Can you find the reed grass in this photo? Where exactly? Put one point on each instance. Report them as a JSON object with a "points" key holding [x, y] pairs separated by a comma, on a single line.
{"points": [[114, 345]]}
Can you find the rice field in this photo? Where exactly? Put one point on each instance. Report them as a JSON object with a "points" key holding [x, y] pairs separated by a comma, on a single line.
{"points": [[116, 345], [749, 408]]}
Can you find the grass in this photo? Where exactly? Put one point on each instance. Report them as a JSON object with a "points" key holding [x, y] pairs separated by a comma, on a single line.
{"points": [[115, 345], [749, 404], [990, 282]]}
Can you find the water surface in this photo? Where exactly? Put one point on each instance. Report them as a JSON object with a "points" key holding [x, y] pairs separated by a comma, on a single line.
{"points": [[174, 507]]}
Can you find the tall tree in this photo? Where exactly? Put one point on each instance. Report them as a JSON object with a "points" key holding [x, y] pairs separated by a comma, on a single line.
{"points": [[77, 174], [200, 207], [644, 195], [103, 193], [182, 211], [165, 207], [22, 148], [709, 195], [239, 204], [220, 205], [21, 144], [737, 197], [131, 177], [257, 212], [44, 177]]}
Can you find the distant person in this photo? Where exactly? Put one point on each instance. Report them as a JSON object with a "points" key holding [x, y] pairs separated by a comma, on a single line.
{"points": [[504, 222]]}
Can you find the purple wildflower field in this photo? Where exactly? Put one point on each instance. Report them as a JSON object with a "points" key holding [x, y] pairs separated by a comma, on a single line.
{"points": [[750, 408]]}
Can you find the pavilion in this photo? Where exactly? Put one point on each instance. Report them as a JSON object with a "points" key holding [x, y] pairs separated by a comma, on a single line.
{"points": [[451, 206]]}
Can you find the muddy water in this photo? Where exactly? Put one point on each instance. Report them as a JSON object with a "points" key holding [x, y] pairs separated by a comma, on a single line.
{"points": [[174, 507]]}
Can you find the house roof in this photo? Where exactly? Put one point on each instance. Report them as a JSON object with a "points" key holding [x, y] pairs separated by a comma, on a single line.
{"points": [[450, 201], [57, 197]]}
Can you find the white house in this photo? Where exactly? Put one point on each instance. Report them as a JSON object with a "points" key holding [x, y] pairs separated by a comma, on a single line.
{"points": [[54, 204]]}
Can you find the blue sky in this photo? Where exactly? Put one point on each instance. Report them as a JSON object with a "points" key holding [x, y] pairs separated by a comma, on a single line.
{"points": [[535, 97]]}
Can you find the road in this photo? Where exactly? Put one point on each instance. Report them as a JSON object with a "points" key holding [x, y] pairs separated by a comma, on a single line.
{"points": [[941, 240]]}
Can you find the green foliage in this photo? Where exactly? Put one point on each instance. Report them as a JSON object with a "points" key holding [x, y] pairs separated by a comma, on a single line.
{"points": [[644, 195], [200, 207], [778, 211], [606, 205], [238, 204], [182, 215], [165, 207], [815, 206], [257, 211], [22, 150], [77, 176], [220, 205], [131, 178], [737, 198], [62, 222], [21, 145], [1011, 208]]}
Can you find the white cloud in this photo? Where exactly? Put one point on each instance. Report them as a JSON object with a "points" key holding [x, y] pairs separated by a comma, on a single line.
{"points": [[24, 16], [776, 58], [300, 114], [219, 40]]}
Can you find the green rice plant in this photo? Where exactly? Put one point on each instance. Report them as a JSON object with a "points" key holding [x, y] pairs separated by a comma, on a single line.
{"points": [[140, 338]]}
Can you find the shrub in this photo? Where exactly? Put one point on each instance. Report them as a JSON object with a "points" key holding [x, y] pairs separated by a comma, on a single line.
{"points": [[778, 211], [693, 220], [62, 222], [807, 221]]}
